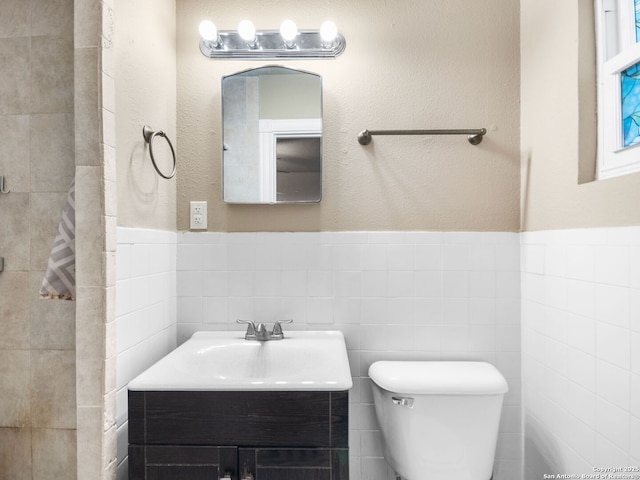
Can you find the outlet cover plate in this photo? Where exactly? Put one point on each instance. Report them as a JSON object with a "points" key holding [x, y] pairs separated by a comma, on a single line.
{"points": [[198, 215]]}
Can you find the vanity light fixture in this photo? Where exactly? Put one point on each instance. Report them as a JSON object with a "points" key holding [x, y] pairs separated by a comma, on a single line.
{"points": [[209, 32], [328, 33], [247, 31], [289, 32], [288, 42]]}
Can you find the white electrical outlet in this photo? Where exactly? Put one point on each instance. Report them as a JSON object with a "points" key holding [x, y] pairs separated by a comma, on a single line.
{"points": [[198, 215]]}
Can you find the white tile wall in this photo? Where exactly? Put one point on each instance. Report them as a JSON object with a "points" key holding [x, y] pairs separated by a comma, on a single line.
{"points": [[145, 312], [419, 295], [581, 366], [395, 295]]}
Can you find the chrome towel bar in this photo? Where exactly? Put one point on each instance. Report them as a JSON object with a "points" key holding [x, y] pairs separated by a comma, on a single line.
{"points": [[474, 135]]}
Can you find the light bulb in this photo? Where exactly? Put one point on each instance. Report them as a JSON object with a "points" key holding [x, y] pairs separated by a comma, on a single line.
{"points": [[328, 32], [208, 30], [247, 31], [288, 31]]}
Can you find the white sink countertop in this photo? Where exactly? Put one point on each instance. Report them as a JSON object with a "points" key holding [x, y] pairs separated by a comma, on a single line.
{"points": [[225, 361]]}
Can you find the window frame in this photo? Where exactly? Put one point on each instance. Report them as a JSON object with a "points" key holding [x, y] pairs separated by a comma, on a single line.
{"points": [[617, 49]]}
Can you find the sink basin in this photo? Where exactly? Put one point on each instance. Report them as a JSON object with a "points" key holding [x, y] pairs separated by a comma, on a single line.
{"points": [[302, 361]]}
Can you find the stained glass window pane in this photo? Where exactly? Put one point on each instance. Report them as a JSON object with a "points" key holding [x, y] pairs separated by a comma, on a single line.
{"points": [[636, 6], [630, 79]]}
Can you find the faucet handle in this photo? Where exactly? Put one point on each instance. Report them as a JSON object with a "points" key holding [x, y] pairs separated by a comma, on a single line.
{"points": [[277, 327], [251, 327]]}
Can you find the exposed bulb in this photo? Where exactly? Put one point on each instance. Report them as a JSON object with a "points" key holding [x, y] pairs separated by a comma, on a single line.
{"points": [[208, 30], [288, 31], [328, 32], [247, 31]]}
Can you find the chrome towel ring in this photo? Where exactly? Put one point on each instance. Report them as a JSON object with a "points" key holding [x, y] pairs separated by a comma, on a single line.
{"points": [[149, 135]]}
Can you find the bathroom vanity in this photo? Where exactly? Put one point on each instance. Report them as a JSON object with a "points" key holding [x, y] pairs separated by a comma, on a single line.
{"points": [[220, 406], [269, 435]]}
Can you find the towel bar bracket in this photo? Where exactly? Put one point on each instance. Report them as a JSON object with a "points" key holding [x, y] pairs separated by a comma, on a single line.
{"points": [[474, 135]]}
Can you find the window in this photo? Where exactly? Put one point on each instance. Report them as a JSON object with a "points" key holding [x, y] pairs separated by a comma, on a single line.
{"points": [[618, 53]]}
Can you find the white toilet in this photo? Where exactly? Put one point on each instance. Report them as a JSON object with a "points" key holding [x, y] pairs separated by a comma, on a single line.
{"points": [[439, 420]]}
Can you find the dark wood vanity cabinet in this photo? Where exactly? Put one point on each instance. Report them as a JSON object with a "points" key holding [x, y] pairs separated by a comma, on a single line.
{"points": [[156, 462], [259, 435]]}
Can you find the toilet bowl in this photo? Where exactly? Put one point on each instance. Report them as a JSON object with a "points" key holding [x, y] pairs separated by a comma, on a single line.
{"points": [[438, 420]]}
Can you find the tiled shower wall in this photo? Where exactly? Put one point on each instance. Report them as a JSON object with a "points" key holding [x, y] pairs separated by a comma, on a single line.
{"points": [[37, 341], [395, 295], [581, 350]]}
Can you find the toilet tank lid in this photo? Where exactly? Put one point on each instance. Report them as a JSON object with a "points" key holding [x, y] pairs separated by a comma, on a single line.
{"points": [[438, 377]]}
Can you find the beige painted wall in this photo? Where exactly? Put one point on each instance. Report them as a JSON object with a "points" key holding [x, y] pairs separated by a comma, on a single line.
{"points": [[412, 64], [145, 85], [557, 122]]}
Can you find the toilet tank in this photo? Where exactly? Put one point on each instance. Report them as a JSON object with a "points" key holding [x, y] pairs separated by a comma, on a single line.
{"points": [[438, 420]]}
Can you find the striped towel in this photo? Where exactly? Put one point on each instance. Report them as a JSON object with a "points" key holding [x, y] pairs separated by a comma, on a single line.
{"points": [[59, 281]]}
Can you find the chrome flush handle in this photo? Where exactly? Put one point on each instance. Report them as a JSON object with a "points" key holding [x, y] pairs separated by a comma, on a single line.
{"points": [[403, 401]]}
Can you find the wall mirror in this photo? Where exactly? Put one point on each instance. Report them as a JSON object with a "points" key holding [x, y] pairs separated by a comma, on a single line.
{"points": [[272, 136]]}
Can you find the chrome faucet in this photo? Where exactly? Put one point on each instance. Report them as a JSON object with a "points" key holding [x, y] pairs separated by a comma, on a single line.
{"points": [[259, 332]]}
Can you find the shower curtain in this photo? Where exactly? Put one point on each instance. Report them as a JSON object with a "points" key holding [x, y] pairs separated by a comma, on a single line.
{"points": [[59, 282]]}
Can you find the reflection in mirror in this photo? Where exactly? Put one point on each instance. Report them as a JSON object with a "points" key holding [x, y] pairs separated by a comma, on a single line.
{"points": [[298, 169], [272, 136]]}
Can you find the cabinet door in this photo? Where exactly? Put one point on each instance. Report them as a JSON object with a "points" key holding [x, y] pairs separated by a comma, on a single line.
{"points": [[181, 463], [293, 463]]}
